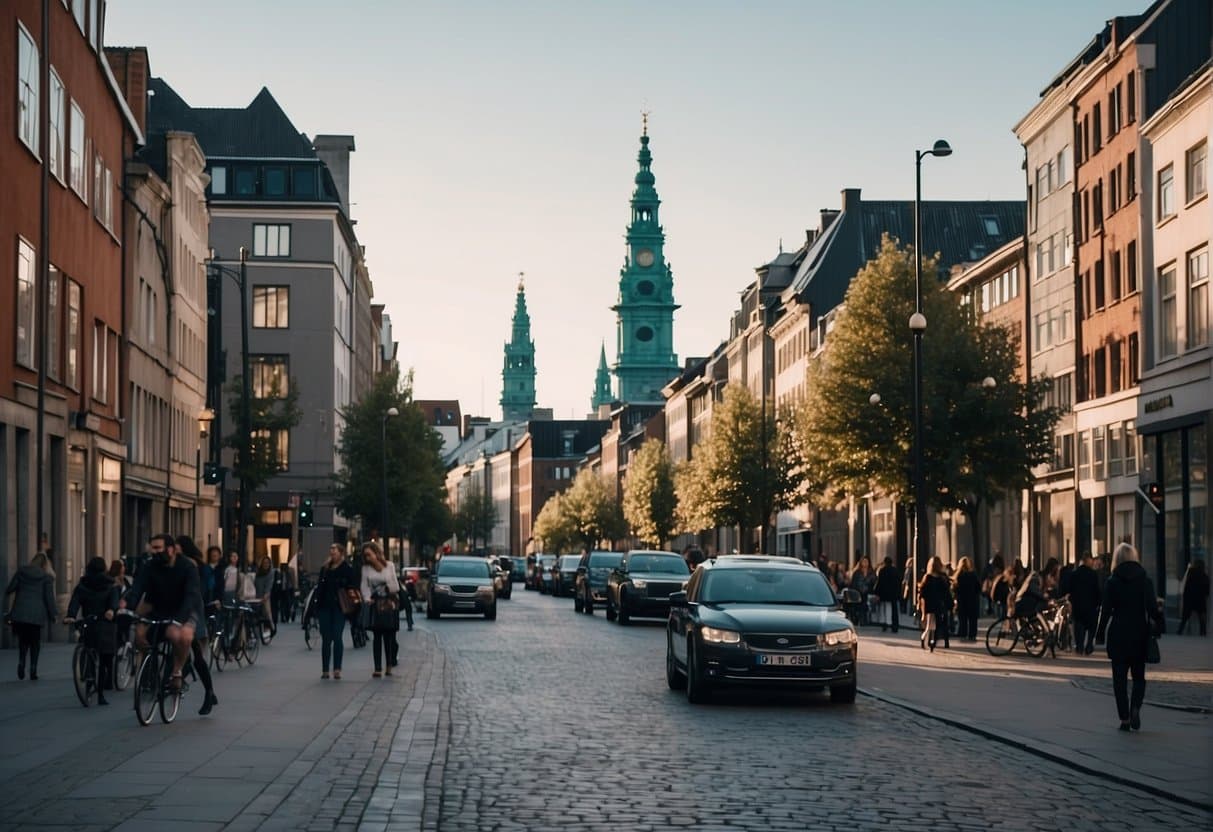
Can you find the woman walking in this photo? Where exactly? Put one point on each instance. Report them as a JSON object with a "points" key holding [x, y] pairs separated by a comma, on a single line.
{"points": [[33, 608], [967, 586], [888, 590], [863, 581], [936, 599], [1130, 618], [336, 576], [1194, 597], [263, 585], [381, 594]]}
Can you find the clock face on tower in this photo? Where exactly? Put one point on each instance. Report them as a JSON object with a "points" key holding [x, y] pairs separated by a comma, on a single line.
{"points": [[644, 258]]}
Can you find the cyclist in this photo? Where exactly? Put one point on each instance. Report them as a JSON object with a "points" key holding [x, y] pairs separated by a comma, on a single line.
{"points": [[97, 595], [206, 587], [167, 587]]}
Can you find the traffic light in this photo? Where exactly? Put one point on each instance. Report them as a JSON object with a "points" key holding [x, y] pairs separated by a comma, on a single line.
{"points": [[1154, 493], [306, 519], [212, 473]]}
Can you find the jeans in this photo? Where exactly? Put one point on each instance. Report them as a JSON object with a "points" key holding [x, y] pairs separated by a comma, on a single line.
{"points": [[889, 616], [1202, 618], [966, 626], [332, 629], [385, 647], [408, 609], [1084, 633], [29, 640], [1120, 683]]}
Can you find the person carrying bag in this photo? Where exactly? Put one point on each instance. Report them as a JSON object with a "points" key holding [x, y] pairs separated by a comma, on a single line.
{"points": [[381, 598]]}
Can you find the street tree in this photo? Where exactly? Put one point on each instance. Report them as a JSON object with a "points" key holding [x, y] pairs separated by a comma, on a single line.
{"points": [[726, 482], [857, 427], [592, 509], [402, 452], [554, 529], [649, 500], [476, 515]]}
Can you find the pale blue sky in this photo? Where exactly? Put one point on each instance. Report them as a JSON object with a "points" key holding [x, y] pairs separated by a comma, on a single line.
{"points": [[499, 137]]}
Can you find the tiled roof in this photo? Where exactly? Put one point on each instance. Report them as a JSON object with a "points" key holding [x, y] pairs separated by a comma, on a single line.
{"points": [[959, 231], [260, 130]]}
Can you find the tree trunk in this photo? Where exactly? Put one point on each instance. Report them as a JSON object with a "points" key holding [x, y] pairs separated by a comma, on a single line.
{"points": [[973, 511]]}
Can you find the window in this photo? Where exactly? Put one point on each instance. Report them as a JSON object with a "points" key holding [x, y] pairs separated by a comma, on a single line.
{"points": [[1166, 192], [1116, 450], [1097, 205], [271, 307], [303, 182], [1131, 268], [1114, 258], [219, 180], [271, 240], [1198, 298], [275, 182], [1113, 189], [76, 158], [72, 362], [269, 376], [1063, 387], [1099, 373], [246, 182], [27, 89], [1063, 166], [78, 8], [1131, 176], [1114, 111], [1097, 129], [58, 122], [1084, 455], [1130, 454], [27, 303], [1063, 452], [1116, 360], [1197, 171], [1067, 251], [1130, 98], [101, 379], [1168, 319], [1097, 453], [1134, 359], [1042, 183], [1099, 285], [273, 445], [52, 323], [94, 29], [991, 226], [1085, 226], [103, 193]]}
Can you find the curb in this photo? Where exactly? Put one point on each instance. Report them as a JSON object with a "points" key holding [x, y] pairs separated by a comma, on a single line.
{"points": [[1036, 748], [1191, 709]]}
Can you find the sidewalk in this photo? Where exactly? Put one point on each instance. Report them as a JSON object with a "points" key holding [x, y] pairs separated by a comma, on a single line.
{"points": [[283, 750], [1061, 707]]}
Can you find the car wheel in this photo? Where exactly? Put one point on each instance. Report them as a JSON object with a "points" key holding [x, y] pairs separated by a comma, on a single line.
{"points": [[698, 690], [610, 609], [587, 604], [844, 694], [491, 613], [675, 678], [577, 604], [621, 614]]}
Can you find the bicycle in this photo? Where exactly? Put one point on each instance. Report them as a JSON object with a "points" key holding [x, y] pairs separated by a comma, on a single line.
{"points": [[247, 644], [1055, 621], [1010, 629], [217, 647], [154, 679], [311, 627], [86, 662], [124, 662]]}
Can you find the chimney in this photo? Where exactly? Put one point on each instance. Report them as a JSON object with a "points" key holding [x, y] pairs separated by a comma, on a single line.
{"points": [[828, 215], [850, 199], [335, 152]]}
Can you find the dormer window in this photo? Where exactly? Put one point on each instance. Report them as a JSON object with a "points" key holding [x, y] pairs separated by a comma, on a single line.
{"points": [[991, 226]]}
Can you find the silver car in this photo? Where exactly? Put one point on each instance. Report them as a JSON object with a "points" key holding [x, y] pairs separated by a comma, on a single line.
{"points": [[463, 585]]}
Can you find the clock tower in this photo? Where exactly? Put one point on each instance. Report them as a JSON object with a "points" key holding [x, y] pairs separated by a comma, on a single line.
{"points": [[645, 308], [518, 370]]}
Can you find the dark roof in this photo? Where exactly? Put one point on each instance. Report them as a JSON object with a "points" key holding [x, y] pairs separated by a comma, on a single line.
{"points": [[260, 130], [959, 231], [547, 437]]}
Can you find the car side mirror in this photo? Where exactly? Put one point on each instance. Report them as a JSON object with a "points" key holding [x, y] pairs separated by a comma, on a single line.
{"points": [[678, 599], [851, 596]]}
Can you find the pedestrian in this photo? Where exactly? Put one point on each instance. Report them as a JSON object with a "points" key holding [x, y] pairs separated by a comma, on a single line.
{"points": [[1194, 597], [888, 590], [33, 607], [231, 578], [278, 599], [1050, 579], [97, 596], [1084, 604], [990, 574], [935, 601], [335, 578], [907, 586], [381, 595], [263, 586], [1129, 618], [863, 581], [967, 587], [214, 559], [202, 634]]}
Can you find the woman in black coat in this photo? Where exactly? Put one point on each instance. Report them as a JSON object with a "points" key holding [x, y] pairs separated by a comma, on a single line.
{"points": [[888, 590], [967, 585], [1128, 618], [97, 596], [935, 593], [1194, 597]]}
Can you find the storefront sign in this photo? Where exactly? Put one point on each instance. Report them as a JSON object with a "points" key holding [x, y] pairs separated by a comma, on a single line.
{"points": [[1161, 403]]}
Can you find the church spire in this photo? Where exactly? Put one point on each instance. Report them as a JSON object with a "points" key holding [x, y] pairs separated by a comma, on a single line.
{"points": [[602, 383], [518, 371]]}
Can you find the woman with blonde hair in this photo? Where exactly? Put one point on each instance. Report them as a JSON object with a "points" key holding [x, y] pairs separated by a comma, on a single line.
{"points": [[1130, 618], [381, 594], [936, 598], [33, 591]]}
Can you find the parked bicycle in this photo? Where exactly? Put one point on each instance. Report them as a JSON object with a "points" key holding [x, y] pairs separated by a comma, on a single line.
{"points": [[1011, 629], [1058, 634], [242, 640]]}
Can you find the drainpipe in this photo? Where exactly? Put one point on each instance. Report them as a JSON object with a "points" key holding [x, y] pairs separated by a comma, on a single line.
{"points": [[44, 276], [1027, 347]]}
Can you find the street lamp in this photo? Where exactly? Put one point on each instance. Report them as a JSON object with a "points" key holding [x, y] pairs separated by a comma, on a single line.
{"points": [[391, 411], [205, 417], [246, 393], [918, 325]]}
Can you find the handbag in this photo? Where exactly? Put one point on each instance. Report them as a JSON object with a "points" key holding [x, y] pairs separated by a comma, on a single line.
{"points": [[386, 614], [1153, 656], [350, 600]]}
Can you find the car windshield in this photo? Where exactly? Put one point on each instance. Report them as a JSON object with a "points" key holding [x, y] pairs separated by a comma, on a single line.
{"points": [[547, 560], [463, 569], [607, 560], [570, 561], [658, 563], [766, 586]]}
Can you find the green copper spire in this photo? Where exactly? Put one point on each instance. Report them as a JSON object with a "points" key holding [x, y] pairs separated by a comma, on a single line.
{"points": [[518, 372], [602, 383], [645, 308]]}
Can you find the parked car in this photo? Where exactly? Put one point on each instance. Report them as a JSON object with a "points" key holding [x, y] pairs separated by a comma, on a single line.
{"points": [[593, 570], [542, 575], [641, 584], [754, 620], [462, 584], [416, 582], [564, 575], [517, 569]]}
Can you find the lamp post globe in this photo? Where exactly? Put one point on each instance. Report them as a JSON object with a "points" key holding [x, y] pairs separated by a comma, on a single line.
{"points": [[874, 399], [989, 383], [941, 148]]}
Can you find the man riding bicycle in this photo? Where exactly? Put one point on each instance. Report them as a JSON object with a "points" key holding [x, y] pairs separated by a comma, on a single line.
{"points": [[167, 587]]}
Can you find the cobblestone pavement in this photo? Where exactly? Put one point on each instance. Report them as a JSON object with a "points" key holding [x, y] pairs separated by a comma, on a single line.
{"points": [[563, 721]]}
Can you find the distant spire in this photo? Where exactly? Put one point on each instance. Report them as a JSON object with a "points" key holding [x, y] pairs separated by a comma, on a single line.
{"points": [[521, 282], [644, 121], [602, 382]]}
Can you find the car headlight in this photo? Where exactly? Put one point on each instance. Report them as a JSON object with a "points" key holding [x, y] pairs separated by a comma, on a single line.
{"points": [[715, 636], [484, 590], [442, 588], [639, 583], [839, 637]]}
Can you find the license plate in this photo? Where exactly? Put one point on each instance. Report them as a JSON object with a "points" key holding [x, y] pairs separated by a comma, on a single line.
{"points": [[783, 660], [465, 603]]}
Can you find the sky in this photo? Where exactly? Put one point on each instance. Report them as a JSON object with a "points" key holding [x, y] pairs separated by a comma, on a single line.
{"points": [[500, 137]]}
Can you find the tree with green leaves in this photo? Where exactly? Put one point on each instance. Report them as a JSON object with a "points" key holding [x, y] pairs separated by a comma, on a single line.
{"points": [[407, 449], [554, 529], [592, 509], [649, 500], [476, 515], [726, 482], [857, 426]]}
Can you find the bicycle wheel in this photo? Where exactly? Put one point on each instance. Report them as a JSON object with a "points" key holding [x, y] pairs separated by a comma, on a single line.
{"points": [[170, 699], [1035, 634], [1002, 636], [218, 653], [84, 681], [311, 631], [148, 683], [252, 643], [266, 631], [124, 666]]}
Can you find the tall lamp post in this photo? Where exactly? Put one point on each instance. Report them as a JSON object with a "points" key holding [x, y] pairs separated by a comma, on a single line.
{"points": [[918, 325], [246, 396], [391, 411], [205, 417]]}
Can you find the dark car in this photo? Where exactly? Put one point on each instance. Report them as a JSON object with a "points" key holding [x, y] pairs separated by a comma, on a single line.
{"points": [[641, 585], [518, 569], [592, 573], [564, 575], [764, 621], [462, 585], [536, 569]]}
